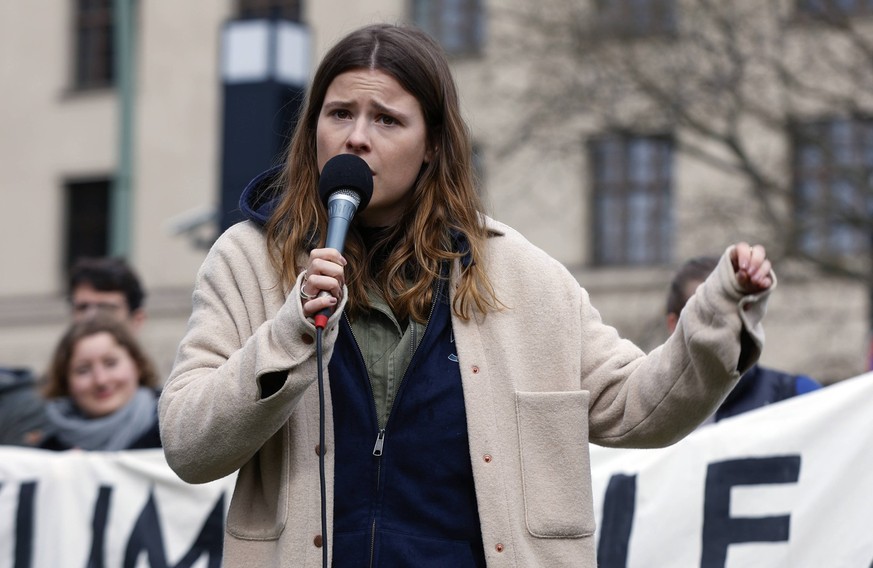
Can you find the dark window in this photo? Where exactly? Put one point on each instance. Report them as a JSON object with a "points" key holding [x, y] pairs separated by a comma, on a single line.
{"points": [[87, 219], [833, 168], [459, 25], [632, 213], [632, 18], [270, 9], [94, 50], [835, 8]]}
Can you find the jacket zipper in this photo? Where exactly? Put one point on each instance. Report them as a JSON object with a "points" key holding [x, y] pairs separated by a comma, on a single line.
{"points": [[372, 542], [380, 440], [377, 451], [380, 436]]}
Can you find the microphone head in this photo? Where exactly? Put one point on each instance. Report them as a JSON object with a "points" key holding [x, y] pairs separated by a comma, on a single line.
{"points": [[346, 172]]}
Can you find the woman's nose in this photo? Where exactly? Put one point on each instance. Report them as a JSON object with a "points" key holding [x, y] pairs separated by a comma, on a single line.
{"points": [[359, 137], [101, 376]]}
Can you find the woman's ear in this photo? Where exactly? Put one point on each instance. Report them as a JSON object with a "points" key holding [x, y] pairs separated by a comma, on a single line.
{"points": [[429, 154]]}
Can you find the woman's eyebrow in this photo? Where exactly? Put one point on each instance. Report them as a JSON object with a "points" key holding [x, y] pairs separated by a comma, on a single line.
{"points": [[380, 107]]}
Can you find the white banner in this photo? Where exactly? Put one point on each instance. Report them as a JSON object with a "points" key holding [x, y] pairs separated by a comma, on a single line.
{"points": [[106, 510], [786, 486], [789, 485]]}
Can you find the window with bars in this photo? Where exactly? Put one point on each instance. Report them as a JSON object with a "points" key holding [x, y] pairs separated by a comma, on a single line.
{"points": [[637, 18], [459, 25], [833, 172], [835, 8], [269, 9], [94, 54], [87, 218], [632, 193]]}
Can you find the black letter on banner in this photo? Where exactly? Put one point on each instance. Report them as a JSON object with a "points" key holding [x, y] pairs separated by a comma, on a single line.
{"points": [[720, 530], [146, 536], [98, 527], [24, 525], [619, 504]]}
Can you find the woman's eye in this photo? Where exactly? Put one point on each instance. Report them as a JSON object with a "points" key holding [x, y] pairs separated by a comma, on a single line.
{"points": [[342, 114], [388, 120], [81, 370]]}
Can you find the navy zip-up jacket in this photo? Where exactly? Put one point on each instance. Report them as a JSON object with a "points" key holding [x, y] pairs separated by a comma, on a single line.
{"points": [[404, 495], [761, 386]]}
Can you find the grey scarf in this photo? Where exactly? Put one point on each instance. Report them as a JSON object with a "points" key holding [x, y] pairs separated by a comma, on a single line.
{"points": [[116, 431]]}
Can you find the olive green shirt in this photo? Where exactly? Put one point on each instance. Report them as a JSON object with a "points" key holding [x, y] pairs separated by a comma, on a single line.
{"points": [[387, 346]]}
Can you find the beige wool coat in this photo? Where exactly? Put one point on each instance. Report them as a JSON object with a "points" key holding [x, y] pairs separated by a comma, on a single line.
{"points": [[541, 379]]}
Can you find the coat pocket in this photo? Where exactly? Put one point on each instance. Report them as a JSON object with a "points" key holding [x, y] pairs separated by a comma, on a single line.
{"points": [[556, 468], [259, 505]]}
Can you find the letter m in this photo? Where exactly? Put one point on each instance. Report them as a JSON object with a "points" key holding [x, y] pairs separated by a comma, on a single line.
{"points": [[146, 536]]}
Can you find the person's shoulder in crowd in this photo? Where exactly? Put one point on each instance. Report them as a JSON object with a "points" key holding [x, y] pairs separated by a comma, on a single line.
{"points": [[804, 384], [23, 420], [761, 386]]}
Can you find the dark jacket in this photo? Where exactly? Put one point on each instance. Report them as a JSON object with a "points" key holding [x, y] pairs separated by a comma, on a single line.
{"points": [[761, 386], [259, 199], [23, 421]]}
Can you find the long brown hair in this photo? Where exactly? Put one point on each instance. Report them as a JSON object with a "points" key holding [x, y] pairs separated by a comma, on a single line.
{"points": [[57, 376], [444, 199]]}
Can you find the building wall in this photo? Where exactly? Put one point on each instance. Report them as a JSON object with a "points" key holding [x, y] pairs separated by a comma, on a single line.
{"points": [[51, 134]]}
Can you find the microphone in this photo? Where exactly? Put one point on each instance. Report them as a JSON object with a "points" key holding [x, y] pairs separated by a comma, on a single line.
{"points": [[345, 187]]}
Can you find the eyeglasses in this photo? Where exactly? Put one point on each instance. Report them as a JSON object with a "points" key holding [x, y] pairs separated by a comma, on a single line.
{"points": [[94, 307]]}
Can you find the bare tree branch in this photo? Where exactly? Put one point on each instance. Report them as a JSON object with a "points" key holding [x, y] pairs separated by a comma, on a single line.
{"points": [[732, 81]]}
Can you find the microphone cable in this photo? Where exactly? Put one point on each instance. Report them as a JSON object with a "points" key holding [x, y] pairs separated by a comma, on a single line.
{"points": [[321, 447], [345, 186]]}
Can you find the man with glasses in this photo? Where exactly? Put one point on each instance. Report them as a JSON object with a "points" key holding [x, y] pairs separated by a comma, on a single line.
{"points": [[106, 285]]}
